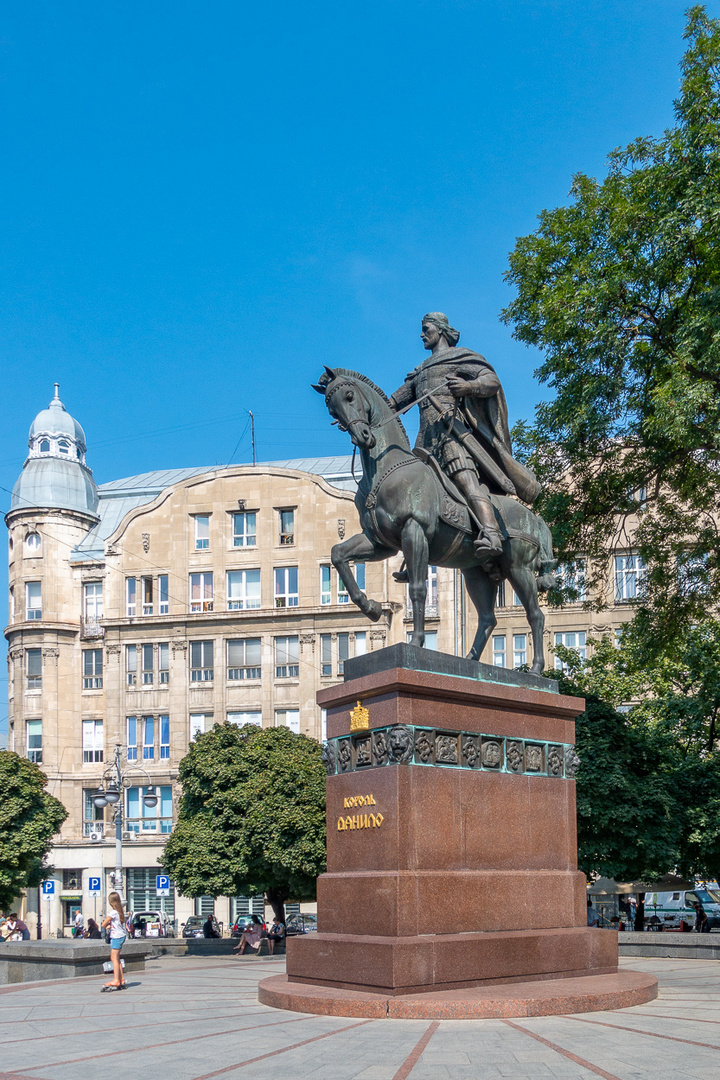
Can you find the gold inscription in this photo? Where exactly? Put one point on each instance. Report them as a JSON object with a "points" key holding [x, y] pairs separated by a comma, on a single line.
{"points": [[359, 800], [359, 717], [360, 821]]}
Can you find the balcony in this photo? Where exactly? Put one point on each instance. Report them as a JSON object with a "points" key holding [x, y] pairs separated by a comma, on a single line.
{"points": [[431, 611], [92, 630]]}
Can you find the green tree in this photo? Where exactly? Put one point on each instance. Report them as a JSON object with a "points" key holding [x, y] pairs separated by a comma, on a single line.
{"points": [[252, 816], [620, 290], [29, 818]]}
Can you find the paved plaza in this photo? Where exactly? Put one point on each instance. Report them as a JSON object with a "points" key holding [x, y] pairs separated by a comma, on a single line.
{"points": [[196, 1019]]}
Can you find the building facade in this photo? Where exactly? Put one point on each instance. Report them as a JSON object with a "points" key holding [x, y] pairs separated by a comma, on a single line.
{"points": [[147, 609]]}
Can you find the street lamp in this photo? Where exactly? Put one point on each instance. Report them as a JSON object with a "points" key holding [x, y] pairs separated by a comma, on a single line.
{"points": [[110, 794]]}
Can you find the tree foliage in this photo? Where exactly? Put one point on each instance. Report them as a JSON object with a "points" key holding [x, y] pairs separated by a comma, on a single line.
{"points": [[29, 818], [620, 290], [252, 815]]}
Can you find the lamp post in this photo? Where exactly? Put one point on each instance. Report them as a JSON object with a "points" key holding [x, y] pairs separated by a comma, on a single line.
{"points": [[110, 793]]}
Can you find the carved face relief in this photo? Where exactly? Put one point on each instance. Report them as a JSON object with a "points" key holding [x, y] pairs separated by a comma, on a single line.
{"points": [[572, 762], [491, 754], [424, 746], [446, 749], [554, 761], [533, 758], [329, 758], [344, 755], [400, 744], [514, 756]]}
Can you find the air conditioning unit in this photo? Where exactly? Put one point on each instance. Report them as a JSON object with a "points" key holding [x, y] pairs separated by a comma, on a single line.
{"points": [[96, 837], [129, 836]]}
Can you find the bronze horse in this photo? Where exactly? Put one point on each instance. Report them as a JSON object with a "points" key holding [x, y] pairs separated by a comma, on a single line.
{"points": [[406, 504]]}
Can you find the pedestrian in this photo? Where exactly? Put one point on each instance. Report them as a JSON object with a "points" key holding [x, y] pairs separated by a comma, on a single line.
{"points": [[209, 930], [18, 929], [592, 915], [702, 926], [251, 935], [93, 930], [275, 933], [116, 921], [79, 923]]}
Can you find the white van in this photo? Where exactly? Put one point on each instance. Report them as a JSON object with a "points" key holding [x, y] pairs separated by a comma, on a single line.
{"points": [[672, 908]]}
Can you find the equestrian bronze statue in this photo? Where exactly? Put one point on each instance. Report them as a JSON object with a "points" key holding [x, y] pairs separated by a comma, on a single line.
{"points": [[455, 500]]}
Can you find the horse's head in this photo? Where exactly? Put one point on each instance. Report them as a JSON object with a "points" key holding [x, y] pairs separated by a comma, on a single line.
{"points": [[348, 405]]}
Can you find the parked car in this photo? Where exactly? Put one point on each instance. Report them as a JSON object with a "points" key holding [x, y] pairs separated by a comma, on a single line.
{"points": [[242, 924], [300, 924], [152, 924], [193, 928]]}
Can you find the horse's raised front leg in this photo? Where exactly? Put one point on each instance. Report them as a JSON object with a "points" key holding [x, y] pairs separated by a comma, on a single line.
{"points": [[482, 591], [525, 585], [358, 548], [415, 550]]}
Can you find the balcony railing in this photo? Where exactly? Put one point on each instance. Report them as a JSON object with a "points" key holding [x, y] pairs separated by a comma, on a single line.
{"points": [[431, 610], [92, 629]]}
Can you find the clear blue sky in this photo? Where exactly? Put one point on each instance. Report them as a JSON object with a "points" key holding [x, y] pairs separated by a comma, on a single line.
{"points": [[203, 203]]}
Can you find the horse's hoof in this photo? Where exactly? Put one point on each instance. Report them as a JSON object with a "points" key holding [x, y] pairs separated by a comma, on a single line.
{"points": [[373, 610]]}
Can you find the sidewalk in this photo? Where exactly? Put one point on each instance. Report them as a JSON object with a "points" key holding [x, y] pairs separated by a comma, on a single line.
{"points": [[196, 1019]]}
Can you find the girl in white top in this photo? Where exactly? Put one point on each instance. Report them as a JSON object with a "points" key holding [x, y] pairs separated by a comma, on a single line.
{"points": [[115, 919]]}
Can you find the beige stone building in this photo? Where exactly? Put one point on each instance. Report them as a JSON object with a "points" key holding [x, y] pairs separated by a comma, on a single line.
{"points": [[147, 609]]}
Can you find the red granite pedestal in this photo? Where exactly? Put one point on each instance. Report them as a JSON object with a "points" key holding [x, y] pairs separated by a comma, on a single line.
{"points": [[452, 886]]}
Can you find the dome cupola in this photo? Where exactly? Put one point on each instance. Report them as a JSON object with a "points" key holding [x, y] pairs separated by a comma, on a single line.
{"points": [[55, 473]]}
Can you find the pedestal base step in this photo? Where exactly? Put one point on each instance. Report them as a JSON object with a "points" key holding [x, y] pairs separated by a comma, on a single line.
{"points": [[551, 997]]}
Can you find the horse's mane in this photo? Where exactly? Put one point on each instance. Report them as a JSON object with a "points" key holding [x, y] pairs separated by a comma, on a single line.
{"points": [[325, 380]]}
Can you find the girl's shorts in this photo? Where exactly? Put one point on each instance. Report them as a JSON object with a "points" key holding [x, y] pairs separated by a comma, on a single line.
{"points": [[117, 942]]}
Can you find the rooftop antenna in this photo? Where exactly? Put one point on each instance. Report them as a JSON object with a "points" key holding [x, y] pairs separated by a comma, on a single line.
{"points": [[252, 431]]}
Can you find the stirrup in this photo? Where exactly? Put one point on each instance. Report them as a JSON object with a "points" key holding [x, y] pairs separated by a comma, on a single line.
{"points": [[401, 576]]}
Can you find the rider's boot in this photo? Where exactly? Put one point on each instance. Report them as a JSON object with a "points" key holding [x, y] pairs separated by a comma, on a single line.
{"points": [[488, 546], [401, 575]]}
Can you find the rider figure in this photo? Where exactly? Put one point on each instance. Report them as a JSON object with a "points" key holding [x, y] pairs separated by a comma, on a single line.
{"points": [[464, 427]]}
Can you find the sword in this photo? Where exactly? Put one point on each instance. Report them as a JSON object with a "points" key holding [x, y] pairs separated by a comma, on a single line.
{"points": [[416, 401]]}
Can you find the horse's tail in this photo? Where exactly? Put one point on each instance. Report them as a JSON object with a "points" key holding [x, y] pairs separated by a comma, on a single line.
{"points": [[545, 563]]}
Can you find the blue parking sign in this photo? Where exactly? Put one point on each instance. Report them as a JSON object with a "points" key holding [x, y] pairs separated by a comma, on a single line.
{"points": [[162, 885], [94, 884], [48, 888]]}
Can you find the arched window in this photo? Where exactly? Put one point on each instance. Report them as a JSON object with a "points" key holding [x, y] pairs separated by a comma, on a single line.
{"points": [[33, 542], [64, 447], [45, 446]]}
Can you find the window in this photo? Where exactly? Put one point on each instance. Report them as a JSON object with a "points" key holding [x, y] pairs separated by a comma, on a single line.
{"points": [[573, 577], [33, 668], [130, 597], [33, 729], [148, 730], [164, 737], [164, 662], [517, 602], [286, 586], [202, 531], [692, 571], [33, 543], [287, 526], [201, 661], [93, 816], [244, 530], [92, 731], [242, 906], [431, 639], [342, 593], [147, 664], [33, 602], [201, 592], [289, 718], [45, 446], [574, 640], [360, 575], [325, 586], [325, 655], [93, 601], [287, 657], [199, 723], [146, 591], [343, 651], [360, 643], [243, 659], [500, 595], [163, 594], [11, 604], [132, 738], [630, 574], [141, 888], [141, 818], [131, 665], [498, 650], [72, 880], [243, 590], [64, 447], [247, 717], [431, 601], [519, 650], [92, 669]]}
